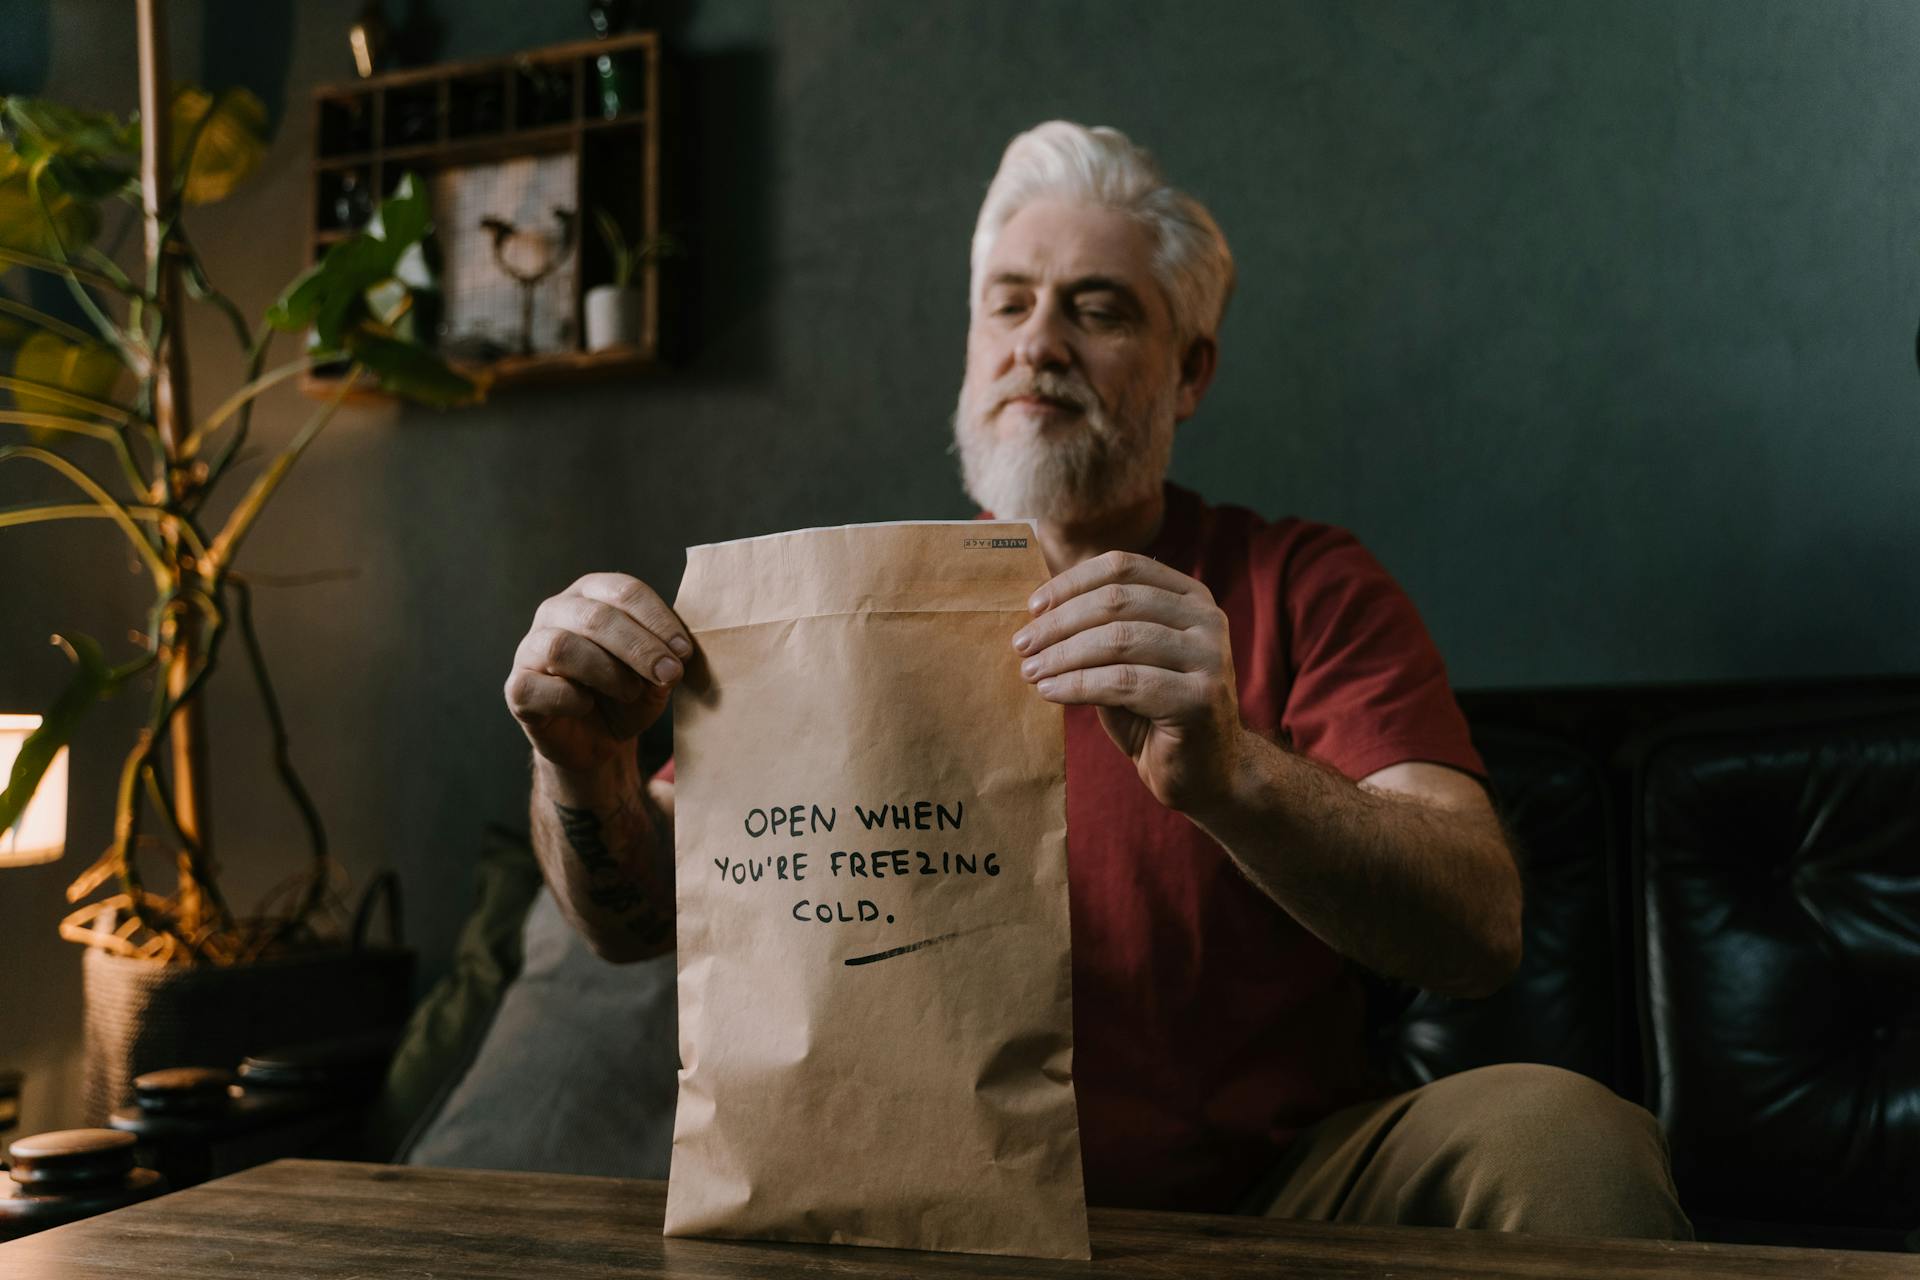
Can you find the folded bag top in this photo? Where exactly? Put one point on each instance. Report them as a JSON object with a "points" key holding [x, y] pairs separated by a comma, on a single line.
{"points": [[875, 973]]}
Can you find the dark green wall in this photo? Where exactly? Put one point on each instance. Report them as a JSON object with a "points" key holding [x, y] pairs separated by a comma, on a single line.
{"points": [[1593, 319]]}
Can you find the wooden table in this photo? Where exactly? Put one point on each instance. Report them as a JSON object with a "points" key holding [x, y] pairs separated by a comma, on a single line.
{"points": [[317, 1219]]}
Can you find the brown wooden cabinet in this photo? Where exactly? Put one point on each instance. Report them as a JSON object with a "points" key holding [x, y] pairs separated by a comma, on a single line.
{"points": [[559, 132]]}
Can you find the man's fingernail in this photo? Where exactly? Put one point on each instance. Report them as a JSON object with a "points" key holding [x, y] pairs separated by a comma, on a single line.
{"points": [[1030, 666], [666, 669], [1038, 602], [680, 645], [1021, 641]]}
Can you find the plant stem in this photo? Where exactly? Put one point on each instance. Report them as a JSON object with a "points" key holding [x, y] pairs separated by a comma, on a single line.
{"points": [[38, 262], [188, 925], [172, 417], [200, 285], [72, 399], [162, 573], [58, 328], [157, 792], [191, 445], [10, 516], [283, 763], [227, 542], [115, 436]]}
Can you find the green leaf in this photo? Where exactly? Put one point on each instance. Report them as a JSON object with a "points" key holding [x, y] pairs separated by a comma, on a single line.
{"points": [[403, 217], [332, 295], [410, 370], [22, 223], [616, 247], [90, 154], [616, 239], [327, 293], [295, 306], [90, 369], [40, 127], [360, 287], [92, 680], [232, 140]]}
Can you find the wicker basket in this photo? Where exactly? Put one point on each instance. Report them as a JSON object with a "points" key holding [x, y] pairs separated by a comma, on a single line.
{"points": [[141, 1017]]}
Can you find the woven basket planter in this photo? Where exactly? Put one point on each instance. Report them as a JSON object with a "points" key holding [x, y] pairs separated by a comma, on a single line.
{"points": [[141, 1017]]}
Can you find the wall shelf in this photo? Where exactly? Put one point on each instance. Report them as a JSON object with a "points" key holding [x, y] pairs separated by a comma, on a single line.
{"points": [[542, 369], [468, 115]]}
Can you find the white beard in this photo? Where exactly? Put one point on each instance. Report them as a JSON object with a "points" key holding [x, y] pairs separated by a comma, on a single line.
{"points": [[1024, 471]]}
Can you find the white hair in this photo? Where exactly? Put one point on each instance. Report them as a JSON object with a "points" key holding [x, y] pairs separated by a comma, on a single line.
{"points": [[1100, 166]]}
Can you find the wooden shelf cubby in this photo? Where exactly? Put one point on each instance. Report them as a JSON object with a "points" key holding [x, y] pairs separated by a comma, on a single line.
{"points": [[542, 102]]}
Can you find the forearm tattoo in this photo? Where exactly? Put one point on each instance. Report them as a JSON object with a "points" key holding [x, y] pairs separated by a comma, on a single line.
{"points": [[615, 889]]}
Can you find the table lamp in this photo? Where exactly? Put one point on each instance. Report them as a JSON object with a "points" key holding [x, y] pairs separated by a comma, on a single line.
{"points": [[40, 834]]}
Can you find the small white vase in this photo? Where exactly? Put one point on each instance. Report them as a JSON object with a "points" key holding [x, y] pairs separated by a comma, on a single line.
{"points": [[613, 316]]}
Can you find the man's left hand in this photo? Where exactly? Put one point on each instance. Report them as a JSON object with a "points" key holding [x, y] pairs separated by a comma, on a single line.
{"points": [[1148, 647]]}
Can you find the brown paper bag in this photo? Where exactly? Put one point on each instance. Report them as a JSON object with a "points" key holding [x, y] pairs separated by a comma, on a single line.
{"points": [[876, 1020]]}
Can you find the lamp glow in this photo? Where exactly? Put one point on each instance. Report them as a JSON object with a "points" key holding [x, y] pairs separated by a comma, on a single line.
{"points": [[41, 833]]}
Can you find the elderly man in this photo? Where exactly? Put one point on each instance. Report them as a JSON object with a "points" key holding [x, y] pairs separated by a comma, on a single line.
{"points": [[1269, 782]]}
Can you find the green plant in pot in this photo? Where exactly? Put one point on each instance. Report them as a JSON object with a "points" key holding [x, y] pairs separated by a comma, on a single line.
{"points": [[616, 312], [101, 398]]}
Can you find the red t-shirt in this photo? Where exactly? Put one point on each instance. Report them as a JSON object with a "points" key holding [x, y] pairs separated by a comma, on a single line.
{"points": [[1209, 1027]]}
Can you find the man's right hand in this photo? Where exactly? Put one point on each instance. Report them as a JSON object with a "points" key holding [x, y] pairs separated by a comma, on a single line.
{"points": [[594, 670]]}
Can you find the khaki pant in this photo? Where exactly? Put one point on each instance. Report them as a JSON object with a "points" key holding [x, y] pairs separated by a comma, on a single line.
{"points": [[1508, 1148]]}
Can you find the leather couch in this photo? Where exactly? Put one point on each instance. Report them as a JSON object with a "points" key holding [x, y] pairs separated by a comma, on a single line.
{"points": [[1723, 925]]}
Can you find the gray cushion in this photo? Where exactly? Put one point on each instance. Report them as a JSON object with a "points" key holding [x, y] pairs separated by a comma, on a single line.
{"points": [[450, 1023], [577, 1073]]}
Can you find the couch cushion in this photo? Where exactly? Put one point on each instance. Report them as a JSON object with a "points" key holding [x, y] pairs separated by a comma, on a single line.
{"points": [[578, 1071], [1780, 873], [447, 1026], [1565, 1007]]}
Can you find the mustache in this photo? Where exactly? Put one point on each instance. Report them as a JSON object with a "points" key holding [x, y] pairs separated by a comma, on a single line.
{"points": [[1067, 389]]}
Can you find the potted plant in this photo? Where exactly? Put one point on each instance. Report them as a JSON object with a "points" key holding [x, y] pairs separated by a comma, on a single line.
{"points": [[616, 313], [179, 975]]}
